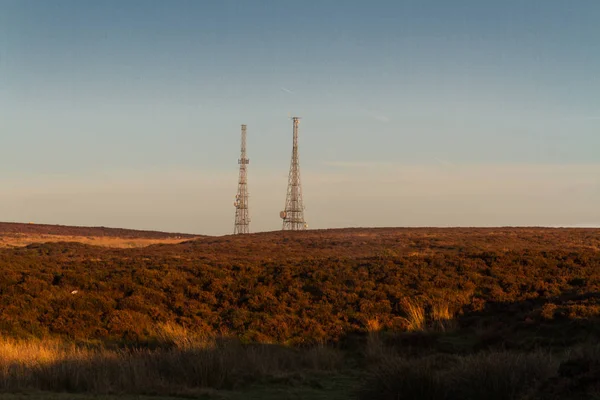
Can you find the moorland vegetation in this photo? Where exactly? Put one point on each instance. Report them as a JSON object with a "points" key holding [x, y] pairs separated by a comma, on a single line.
{"points": [[417, 312]]}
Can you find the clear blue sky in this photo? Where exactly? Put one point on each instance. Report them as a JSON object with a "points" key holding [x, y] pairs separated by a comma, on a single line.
{"points": [[127, 113]]}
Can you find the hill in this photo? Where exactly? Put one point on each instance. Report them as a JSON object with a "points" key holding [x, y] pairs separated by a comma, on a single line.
{"points": [[20, 234], [298, 286], [403, 314]]}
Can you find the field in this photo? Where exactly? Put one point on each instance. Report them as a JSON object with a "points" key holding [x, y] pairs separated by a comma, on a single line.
{"points": [[353, 313]]}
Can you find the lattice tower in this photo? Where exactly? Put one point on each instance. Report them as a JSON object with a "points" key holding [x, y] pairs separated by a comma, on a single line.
{"points": [[242, 216], [293, 213]]}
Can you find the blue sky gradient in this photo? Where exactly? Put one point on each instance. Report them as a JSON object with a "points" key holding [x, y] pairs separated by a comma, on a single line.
{"points": [[92, 92]]}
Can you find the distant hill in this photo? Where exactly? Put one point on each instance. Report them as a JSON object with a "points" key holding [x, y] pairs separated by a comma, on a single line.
{"points": [[96, 231], [19, 235]]}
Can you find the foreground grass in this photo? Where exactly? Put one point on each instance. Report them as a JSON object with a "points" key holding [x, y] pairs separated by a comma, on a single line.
{"points": [[394, 373], [219, 369], [178, 367], [333, 386], [501, 375], [182, 365], [75, 396]]}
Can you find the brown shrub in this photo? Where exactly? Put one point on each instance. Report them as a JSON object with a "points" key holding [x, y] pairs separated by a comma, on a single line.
{"points": [[303, 287]]}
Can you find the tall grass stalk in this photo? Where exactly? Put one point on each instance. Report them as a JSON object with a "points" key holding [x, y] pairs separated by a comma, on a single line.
{"points": [[442, 318], [375, 349], [438, 317], [415, 315]]}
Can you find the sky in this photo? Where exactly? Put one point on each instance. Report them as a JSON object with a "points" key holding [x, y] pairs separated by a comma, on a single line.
{"points": [[127, 113]]}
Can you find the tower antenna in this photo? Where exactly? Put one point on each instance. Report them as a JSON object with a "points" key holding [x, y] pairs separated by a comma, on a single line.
{"points": [[242, 217], [293, 214]]}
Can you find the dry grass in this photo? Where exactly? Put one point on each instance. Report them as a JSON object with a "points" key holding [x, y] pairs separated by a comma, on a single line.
{"points": [[188, 366], [501, 375], [442, 318], [397, 378], [491, 376], [375, 349], [415, 315], [438, 317], [172, 335]]}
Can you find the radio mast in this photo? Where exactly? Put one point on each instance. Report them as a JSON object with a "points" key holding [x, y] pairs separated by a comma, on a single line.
{"points": [[242, 217], [293, 214]]}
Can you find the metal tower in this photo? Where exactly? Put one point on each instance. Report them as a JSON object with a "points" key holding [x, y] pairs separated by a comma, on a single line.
{"points": [[293, 214], [242, 218]]}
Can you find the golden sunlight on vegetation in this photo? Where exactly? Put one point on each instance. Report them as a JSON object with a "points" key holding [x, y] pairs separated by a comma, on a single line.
{"points": [[19, 235], [402, 314], [191, 364], [415, 315], [421, 317], [115, 242]]}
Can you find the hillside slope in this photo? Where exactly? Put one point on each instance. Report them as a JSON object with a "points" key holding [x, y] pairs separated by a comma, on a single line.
{"points": [[19, 234], [312, 286], [100, 231]]}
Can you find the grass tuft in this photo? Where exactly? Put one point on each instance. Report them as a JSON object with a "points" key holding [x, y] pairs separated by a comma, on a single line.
{"points": [[375, 348], [437, 318], [442, 319], [415, 315]]}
